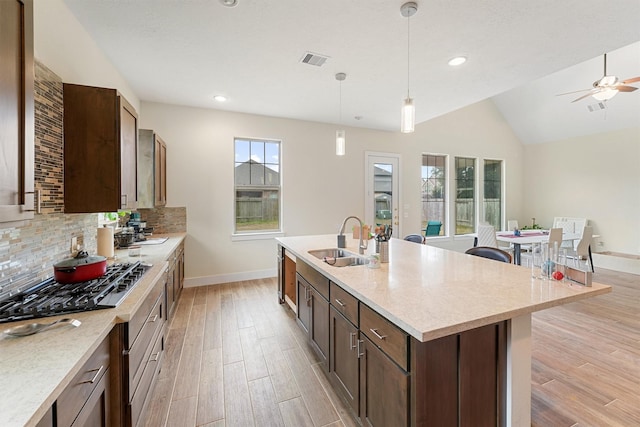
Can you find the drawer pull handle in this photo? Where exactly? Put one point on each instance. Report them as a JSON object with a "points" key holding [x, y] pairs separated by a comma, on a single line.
{"points": [[95, 377], [153, 319], [360, 353], [375, 332], [308, 295], [154, 357], [340, 303], [352, 343]]}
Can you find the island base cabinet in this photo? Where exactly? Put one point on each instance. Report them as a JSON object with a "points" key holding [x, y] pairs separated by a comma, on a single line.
{"points": [[344, 369], [313, 316], [95, 412], [384, 388]]}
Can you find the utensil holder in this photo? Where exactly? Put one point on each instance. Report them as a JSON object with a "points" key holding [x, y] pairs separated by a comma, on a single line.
{"points": [[384, 251]]}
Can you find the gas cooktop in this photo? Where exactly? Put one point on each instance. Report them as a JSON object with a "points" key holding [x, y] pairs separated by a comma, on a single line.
{"points": [[50, 298]]}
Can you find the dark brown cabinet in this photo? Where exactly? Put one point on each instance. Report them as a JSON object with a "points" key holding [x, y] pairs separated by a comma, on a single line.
{"points": [[100, 150], [138, 349], [384, 388], [152, 170], [16, 111], [344, 363], [175, 280], [85, 401], [313, 308]]}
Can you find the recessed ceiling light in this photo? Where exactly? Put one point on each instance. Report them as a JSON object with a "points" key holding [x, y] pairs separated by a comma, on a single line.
{"points": [[220, 98], [229, 3], [458, 60]]}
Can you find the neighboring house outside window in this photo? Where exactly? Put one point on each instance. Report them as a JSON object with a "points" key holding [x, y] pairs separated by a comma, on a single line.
{"points": [[257, 184], [465, 208], [434, 180], [493, 193]]}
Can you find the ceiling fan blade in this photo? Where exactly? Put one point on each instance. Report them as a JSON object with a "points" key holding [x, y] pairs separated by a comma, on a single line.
{"points": [[626, 88], [585, 96], [575, 91], [632, 80]]}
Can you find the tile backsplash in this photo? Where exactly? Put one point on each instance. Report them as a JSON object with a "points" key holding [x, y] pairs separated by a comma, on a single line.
{"points": [[27, 253]]}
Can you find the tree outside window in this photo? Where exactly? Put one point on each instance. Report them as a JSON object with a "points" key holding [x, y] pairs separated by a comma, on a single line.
{"points": [[257, 185]]}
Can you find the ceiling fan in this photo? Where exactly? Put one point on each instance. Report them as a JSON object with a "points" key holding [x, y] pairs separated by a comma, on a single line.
{"points": [[607, 87]]}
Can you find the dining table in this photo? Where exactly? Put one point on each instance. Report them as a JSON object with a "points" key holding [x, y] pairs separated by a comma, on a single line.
{"points": [[527, 237]]}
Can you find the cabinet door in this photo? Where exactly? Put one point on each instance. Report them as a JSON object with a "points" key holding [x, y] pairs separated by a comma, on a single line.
{"points": [[344, 365], [128, 155], [319, 332], [95, 412], [384, 388], [160, 172], [303, 303], [16, 110]]}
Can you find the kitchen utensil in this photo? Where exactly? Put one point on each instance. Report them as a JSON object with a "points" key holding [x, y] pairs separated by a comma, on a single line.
{"points": [[34, 328], [81, 268]]}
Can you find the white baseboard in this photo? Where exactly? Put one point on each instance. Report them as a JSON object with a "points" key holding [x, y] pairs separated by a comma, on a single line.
{"points": [[616, 263], [193, 282]]}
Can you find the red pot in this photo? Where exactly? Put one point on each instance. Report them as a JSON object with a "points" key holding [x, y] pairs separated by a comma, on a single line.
{"points": [[81, 268]]}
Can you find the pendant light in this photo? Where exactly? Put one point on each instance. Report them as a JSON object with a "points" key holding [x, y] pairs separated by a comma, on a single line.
{"points": [[340, 134], [408, 112]]}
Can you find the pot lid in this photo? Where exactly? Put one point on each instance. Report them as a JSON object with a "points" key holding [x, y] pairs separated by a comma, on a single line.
{"points": [[83, 258]]}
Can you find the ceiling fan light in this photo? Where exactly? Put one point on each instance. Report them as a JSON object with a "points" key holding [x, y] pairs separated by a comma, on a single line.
{"points": [[340, 143], [408, 120], [605, 94], [608, 81]]}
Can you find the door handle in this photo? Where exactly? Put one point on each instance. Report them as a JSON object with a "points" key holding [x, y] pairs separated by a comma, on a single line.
{"points": [[352, 344]]}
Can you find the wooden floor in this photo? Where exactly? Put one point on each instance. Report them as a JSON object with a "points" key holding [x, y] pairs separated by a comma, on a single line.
{"points": [[235, 357]]}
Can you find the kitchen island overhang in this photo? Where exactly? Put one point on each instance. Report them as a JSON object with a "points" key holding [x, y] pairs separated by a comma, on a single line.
{"points": [[432, 293]]}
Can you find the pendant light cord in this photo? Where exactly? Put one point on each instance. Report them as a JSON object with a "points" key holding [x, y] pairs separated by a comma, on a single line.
{"points": [[408, 51], [340, 102]]}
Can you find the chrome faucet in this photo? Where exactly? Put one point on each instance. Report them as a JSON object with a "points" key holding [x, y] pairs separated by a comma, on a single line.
{"points": [[342, 239]]}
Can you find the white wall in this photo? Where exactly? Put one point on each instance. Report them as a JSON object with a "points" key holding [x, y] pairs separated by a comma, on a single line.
{"points": [[63, 45], [319, 188], [595, 177]]}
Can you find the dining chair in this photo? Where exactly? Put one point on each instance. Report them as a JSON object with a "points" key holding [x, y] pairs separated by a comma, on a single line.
{"points": [[490, 253], [583, 249], [555, 237], [512, 225], [415, 238], [486, 236]]}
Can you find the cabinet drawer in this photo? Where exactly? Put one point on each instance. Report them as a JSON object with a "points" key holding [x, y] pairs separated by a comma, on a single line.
{"points": [[142, 347], [314, 277], [78, 391], [391, 339], [142, 314], [345, 303], [151, 367]]}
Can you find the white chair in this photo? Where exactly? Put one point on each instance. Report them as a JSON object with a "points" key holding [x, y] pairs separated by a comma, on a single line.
{"points": [[512, 225], [555, 237], [583, 249], [486, 236]]}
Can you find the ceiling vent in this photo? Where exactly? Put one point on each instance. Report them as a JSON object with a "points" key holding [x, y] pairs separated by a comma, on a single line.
{"points": [[314, 59], [596, 107]]}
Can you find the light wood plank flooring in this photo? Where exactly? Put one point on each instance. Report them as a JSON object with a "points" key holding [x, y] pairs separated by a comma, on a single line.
{"points": [[235, 357]]}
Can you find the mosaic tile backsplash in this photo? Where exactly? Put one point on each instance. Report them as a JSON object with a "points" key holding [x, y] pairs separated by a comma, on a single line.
{"points": [[28, 253]]}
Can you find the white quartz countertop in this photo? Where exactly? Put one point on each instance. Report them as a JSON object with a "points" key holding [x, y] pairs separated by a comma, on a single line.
{"points": [[431, 292], [34, 370]]}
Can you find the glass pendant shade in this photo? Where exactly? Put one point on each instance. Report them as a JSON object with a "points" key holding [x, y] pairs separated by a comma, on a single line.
{"points": [[408, 119], [340, 143], [606, 94]]}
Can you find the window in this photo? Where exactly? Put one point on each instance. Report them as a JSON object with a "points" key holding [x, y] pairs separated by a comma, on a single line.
{"points": [[257, 186], [465, 195], [434, 178], [493, 193]]}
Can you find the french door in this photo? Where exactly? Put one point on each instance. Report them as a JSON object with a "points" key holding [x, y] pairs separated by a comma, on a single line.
{"points": [[382, 190]]}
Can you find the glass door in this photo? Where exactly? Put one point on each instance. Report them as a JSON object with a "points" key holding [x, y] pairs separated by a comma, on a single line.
{"points": [[382, 195]]}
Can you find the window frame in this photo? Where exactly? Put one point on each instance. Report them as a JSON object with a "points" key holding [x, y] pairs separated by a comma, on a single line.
{"points": [[445, 200], [256, 234]]}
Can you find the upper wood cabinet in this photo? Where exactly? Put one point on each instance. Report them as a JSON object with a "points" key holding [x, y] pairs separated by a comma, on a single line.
{"points": [[152, 170], [16, 112], [100, 150]]}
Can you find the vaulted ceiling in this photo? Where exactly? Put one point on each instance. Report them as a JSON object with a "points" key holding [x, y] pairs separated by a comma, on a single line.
{"points": [[522, 53]]}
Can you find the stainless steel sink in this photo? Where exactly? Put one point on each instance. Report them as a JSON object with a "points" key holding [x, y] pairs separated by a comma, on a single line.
{"points": [[338, 257]]}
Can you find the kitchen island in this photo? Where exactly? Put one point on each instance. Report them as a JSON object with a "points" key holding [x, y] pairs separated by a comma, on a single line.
{"points": [[466, 358], [36, 369]]}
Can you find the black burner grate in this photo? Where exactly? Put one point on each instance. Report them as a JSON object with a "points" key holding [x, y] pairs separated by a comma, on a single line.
{"points": [[50, 298]]}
